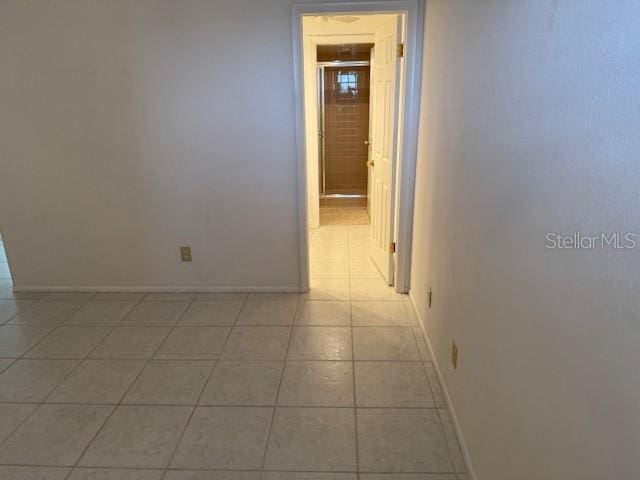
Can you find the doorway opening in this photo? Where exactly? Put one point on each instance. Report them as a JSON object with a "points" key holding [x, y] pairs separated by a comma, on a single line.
{"points": [[357, 79], [343, 106], [343, 130], [6, 282]]}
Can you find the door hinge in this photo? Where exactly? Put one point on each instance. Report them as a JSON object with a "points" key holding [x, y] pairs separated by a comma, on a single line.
{"points": [[401, 50], [392, 247]]}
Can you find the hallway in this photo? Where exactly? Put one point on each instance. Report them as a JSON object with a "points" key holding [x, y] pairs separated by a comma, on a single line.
{"points": [[226, 386]]}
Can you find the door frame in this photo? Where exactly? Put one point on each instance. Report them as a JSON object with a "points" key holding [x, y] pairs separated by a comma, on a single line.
{"points": [[404, 185]]}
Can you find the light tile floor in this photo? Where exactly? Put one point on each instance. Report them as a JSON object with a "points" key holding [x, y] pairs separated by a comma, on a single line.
{"points": [[344, 216], [335, 384]]}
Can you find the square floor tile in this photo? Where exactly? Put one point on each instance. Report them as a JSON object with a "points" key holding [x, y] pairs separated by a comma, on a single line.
{"points": [[326, 244], [273, 296], [384, 343], [101, 312], [372, 289], [257, 343], [9, 294], [452, 440], [328, 289], [212, 313], [224, 438], [402, 440], [438, 395], [358, 231], [307, 476], [11, 416], [317, 383], [157, 313], [331, 231], [170, 296], [362, 246], [33, 380], [380, 313], [8, 308], [48, 312], [70, 296], [329, 239], [354, 216], [392, 384], [217, 296], [193, 343], [422, 344], [324, 313], [365, 269], [329, 269], [331, 254], [312, 439], [131, 342], [15, 340], [54, 435], [98, 381], [5, 363], [33, 473], [243, 383], [69, 342], [268, 312], [114, 474], [407, 476], [120, 296], [210, 475], [137, 437], [320, 343], [169, 383], [359, 253]]}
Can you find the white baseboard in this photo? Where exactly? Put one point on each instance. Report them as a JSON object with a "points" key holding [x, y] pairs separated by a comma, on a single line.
{"points": [[145, 289], [456, 423]]}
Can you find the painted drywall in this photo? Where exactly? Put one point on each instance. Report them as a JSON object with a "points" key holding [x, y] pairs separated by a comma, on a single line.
{"points": [[128, 129], [529, 124]]}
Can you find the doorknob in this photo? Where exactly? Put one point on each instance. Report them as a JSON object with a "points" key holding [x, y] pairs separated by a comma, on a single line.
{"points": [[370, 163], [366, 142]]}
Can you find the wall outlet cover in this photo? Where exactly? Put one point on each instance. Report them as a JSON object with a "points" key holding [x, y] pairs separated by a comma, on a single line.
{"points": [[185, 254]]}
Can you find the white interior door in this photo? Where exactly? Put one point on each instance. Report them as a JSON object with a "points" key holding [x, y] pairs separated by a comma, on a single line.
{"points": [[384, 92]]}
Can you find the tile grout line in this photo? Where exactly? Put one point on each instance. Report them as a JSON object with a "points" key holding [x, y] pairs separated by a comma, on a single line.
{"points": [[22, 357], [204, 385], [81, 360], [232, 405], [25, 356], [353, 362], [275, 406], [216, 361], [119, 404], [229, 470], [115, 407]]}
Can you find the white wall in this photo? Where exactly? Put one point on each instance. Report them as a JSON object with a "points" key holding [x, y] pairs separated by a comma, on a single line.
{"points": [[129, 128], [529, 124]]}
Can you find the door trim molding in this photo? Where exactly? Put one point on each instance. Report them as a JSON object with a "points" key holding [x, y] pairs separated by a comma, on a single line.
{"points": [[410, 105], [345, 63]]}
